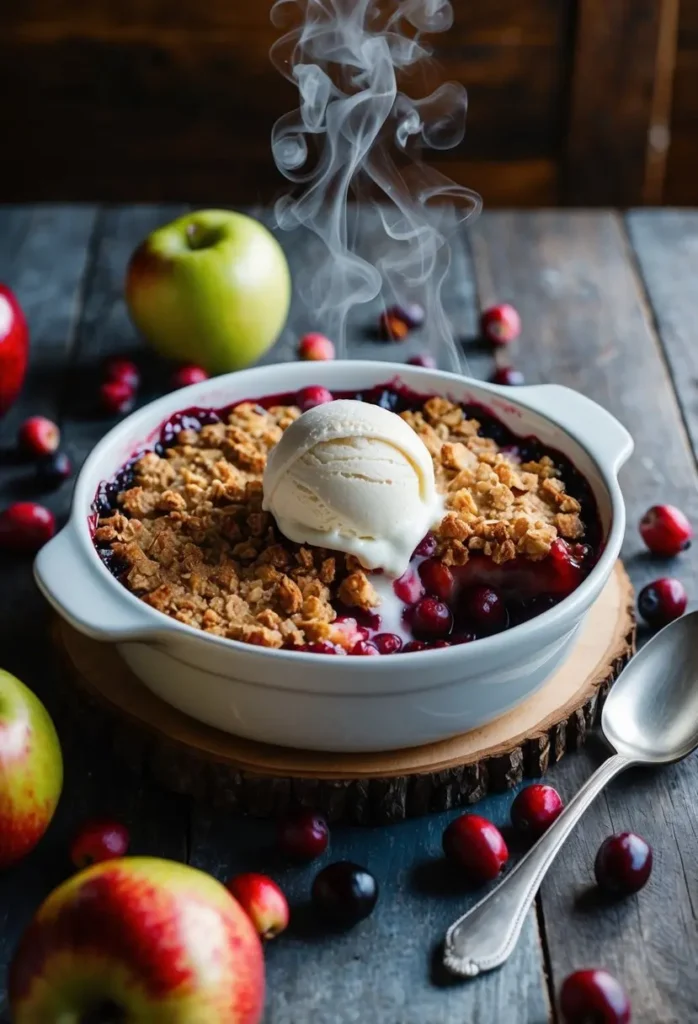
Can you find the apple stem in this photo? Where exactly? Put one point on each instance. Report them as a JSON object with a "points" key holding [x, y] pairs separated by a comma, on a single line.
{"points": [[200, 237]]}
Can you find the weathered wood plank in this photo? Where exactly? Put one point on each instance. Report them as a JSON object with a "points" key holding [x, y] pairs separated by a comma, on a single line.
{"points": [[586, 325]]}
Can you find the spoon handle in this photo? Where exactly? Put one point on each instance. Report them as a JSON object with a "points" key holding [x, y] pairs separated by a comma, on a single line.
{"points": [[486, 936]]}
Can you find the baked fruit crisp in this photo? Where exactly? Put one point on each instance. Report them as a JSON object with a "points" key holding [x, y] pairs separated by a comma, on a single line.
{"points": [[182, 526]]}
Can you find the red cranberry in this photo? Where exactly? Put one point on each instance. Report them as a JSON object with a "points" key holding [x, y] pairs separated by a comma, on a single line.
{"points": [[392, 326], [97, 840], [665, 530], [408, 587], [485, 609], [187, 375], [52, 470], [322, 647], [315, 347], [461, 638], [303, 835], [437, 578], [662, 601], [623, 864], [26, 526], [500, 324], [535, 809], [414, 645], [124, 371], [263, 902], [387, 643], [431, 619], [425, 360], [365, 648], [426, 547], [116, 397], [509, 376], [344, 893], [39, 436], [477, 846], [308, 398], [593, 997]]}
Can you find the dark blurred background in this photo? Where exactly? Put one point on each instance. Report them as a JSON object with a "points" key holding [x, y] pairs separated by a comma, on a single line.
{"points": [[582, 102]]}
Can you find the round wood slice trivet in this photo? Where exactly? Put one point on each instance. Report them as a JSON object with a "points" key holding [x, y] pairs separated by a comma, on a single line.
{"points": [[188, 757]]}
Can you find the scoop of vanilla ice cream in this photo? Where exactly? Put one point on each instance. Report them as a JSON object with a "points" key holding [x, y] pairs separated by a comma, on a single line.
{"points": [[356, 478]]}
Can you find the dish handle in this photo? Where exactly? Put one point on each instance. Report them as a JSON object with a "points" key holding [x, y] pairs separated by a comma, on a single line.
{"points": [[587, 421], [75, 586]]}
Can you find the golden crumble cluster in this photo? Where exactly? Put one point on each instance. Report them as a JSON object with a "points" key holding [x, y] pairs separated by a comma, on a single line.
{"points": [[196, 544]]}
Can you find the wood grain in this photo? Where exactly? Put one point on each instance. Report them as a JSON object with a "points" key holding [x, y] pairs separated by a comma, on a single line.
{"points": [[681, 179], [587, 324]]}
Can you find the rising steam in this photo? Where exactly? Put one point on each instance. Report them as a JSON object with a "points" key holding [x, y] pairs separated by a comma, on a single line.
{"points": [[355, 134]]}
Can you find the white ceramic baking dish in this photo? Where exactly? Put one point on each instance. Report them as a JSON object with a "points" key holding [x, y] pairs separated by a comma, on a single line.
{"points": [[317, 701]]}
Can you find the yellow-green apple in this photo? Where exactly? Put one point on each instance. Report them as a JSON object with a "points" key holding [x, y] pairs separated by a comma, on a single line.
{"points": [[31, 769], [211, 288], [138, 940]]}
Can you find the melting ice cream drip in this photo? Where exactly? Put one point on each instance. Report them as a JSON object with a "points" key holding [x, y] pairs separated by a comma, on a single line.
{"points": [[356, 134]]}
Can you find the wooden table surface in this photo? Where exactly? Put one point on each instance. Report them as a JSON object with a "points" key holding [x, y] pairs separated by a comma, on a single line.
{"points": [[609, 305]]}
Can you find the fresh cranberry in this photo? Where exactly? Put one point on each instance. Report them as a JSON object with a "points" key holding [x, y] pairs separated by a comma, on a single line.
{"points": [[26, 526], [392, 326], [623, 864], [662, 601], [500, 324], [123, 370], [365, 648], [52, 470], [485, 609], [39, 436], [477, 846], [665, 530], [308, 398], [535, 809], [263, 902], [315, 347], [437, 578], [186, 375], [97, 840], [431, 619], [303, 835], [408, 587], [116, 397], [509, 376], [344, 893], [426, 547], [414, 645], [593, 997], [387, 643], [425, 360]]}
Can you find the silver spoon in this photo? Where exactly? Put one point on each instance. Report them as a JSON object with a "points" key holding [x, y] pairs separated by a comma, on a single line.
{"points": [[650, 717]]}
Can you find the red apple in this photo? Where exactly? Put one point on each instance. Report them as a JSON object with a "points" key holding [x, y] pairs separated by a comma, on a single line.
{"points": [[31, 769], [14, 348], [139, 939]]}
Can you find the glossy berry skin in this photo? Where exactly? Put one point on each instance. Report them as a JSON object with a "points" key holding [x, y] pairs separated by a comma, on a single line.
{"points": [[662, 601], [26, 526], [308, 398], [477, 846], [500, 324], [97, 840], [303, 835], [387, 643], [414, 645], [623, 864], [124, 371], [39, 436], [263, 902], [315, 348], [427, 361], [365, 648], [186, 375], [593, 997], [534, 810], [437, 578], [53, 470], [14, 348], [393, 326], [431, 619], [116, 397], [665, 530], [344, 893], [508, 376], [485, 609]]}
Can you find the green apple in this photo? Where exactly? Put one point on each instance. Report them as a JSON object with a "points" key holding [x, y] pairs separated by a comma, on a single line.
{"points": [[138, 940], [212, 288], [31, 769]]}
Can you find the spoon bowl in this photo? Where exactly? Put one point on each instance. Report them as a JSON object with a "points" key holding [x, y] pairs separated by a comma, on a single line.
{"points": [[651, 714]]}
